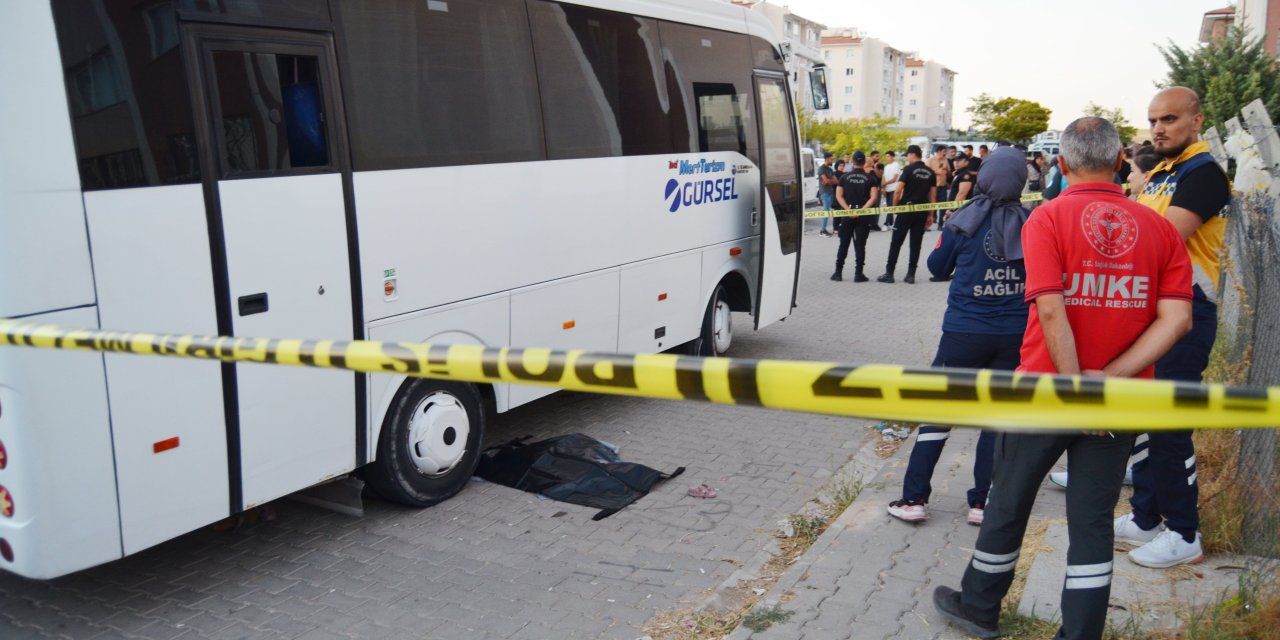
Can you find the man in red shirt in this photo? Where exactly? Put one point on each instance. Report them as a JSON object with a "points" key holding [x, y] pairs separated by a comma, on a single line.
{"points": [[1111, 283]]}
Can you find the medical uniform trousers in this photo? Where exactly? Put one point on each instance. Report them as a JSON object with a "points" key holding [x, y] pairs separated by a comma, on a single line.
{"points": [[1164, 462], [1096, 465]]}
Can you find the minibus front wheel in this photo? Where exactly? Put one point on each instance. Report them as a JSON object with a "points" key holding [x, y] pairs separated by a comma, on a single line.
{"points": [[430, 442]]}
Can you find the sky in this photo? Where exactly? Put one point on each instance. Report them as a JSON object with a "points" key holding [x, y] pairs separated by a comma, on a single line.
{"points": [[1062, 54]]}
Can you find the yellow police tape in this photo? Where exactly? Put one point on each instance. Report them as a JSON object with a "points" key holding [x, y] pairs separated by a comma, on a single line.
{"points": [[995, 399], [905, 208]]}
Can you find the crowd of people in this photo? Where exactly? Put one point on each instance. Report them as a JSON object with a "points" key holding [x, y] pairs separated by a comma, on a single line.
{"points": [[947, 176], [1114, 274]]}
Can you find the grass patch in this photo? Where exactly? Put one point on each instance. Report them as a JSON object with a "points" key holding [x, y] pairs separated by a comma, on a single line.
{"points": [[843, 491], [1015, 626], [760, 619], [1252, 612], [1224, 499], [808, 527]]}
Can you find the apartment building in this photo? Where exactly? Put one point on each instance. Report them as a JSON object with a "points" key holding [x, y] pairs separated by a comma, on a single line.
{"points": [[864, 76], [929, 95], [1258, 18], [804, 35]]}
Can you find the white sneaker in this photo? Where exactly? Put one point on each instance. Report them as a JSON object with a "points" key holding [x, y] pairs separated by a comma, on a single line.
{"points": [[909, 511], [1128, 531], [975, 516], [1168, 550], [1060, 477]]}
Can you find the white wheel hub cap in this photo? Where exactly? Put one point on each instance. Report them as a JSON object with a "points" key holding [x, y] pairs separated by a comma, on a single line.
{"points": [[438, 434], [722, 326]]}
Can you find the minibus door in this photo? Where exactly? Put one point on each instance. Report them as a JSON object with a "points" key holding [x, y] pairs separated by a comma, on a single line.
{"points": [[781, 199], [274, 146]]}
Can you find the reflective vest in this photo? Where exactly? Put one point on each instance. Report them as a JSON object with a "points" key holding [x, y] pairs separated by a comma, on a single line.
{"points": [[1205, 245]]}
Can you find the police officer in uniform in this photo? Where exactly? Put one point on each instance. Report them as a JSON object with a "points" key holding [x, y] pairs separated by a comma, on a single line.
{"points": [[917, 187], [858, 189]]}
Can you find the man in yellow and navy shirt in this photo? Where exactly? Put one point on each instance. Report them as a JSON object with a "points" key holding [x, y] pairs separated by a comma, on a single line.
{"points": [[1190, 190]]}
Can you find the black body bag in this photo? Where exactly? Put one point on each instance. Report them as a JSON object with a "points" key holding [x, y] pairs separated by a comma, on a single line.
{"points": [[575, 468]]}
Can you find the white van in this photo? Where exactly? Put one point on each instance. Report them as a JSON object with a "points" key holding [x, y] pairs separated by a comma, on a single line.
{"points": [[809, 165]]}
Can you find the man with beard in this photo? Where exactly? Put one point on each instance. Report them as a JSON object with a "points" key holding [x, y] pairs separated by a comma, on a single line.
{"points": [[1190, 190]]}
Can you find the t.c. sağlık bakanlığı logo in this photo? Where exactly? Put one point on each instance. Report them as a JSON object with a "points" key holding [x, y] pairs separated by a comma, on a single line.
{"points": [[696, 184], [1111, 230]]}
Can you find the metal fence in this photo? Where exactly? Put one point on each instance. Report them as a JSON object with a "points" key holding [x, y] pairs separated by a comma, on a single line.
{"points": [[1249, 312]]}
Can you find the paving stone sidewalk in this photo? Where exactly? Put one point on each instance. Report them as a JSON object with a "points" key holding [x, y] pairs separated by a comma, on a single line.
{"points": [[872, 576]]}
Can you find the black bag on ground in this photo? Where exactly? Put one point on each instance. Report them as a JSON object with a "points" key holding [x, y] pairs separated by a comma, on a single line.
{"points": [[576, 468]]}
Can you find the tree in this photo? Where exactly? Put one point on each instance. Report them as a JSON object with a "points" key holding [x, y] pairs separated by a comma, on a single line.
{"points": [[1116, 116], [985, 108], [1020, 122], [1227, 73], [1007, 118], [846, 136]]}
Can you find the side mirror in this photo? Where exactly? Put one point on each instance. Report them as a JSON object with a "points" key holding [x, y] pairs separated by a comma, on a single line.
{"points": [[818, 87]]}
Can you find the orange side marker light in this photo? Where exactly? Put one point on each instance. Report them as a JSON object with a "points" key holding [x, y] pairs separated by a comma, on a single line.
{"points": [[165, 445]]}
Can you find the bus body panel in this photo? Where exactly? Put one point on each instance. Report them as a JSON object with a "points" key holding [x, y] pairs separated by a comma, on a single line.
{"points": [[153, 272], [44, 253], [286, 237], [719, 261], [484, 321], [575, 313], [59, 473], [659, 301], [567, 215]]}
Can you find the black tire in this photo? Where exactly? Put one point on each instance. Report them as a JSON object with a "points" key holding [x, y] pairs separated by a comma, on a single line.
{"points": [[705, 345], [395, 475]]}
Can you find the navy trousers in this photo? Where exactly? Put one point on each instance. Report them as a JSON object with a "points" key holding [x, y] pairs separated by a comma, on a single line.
{"points": [[857, 230], [964, 351], [1096, 465], [907, 226], [1164, 462]]}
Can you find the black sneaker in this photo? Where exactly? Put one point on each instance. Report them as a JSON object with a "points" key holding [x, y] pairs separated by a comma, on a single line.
{"points": [[836, 277], [910, 279], [825, 233], [858, 277], [937, 279], [886, 278], [947, 601]]}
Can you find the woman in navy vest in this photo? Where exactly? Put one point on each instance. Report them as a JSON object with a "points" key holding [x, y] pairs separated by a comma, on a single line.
{"points": [[981, 251]]}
